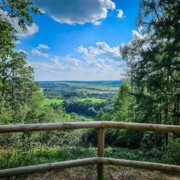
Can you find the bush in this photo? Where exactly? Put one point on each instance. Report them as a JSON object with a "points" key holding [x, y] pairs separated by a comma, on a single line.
{"points": [[172, 154]]}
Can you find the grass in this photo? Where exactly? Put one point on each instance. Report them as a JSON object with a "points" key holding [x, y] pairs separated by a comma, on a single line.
{"points": [[55, 154], [47, 154], [51, 101], [40, 90], [90, 172], [59, 101], [89, 118]]}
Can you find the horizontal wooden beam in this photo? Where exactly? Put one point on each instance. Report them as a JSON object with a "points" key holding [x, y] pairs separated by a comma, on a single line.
{"points": [[141, 126], [141, 164], [47, 167], [88, 161], [94, 124], [48, 126]]}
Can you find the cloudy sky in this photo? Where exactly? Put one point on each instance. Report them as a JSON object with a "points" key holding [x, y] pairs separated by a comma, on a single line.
{"points": [[78, 39]]}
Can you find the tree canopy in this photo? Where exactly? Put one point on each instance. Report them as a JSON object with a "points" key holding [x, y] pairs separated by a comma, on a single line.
{"points": [[16, 78], [153, 60]]}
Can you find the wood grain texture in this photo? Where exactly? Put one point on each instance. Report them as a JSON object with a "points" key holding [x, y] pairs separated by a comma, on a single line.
{"points": [[88, 161], [142, 126], [48, 126], [141, 164], [99, 161], [100, 166], [94, 124], [47, 167]]}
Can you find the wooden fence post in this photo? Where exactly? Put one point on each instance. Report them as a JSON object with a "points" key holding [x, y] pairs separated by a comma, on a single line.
{"points": [[100, 166]]}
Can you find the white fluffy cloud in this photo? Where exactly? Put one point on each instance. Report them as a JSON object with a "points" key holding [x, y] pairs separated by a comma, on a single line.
{"points": [[43, 46], [101, 48], [14, 22], [74, 61], [39, 53], [82, 49], [55, 59], [97, 62], [119, 13], [46, 67], [45, 71], [76, 11]]}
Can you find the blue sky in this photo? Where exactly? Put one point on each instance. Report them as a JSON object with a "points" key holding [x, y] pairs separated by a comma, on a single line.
{"points": [[78, 39]]}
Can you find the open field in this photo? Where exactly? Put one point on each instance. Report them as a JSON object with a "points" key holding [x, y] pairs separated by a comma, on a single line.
{"points": [[40, 90], [83, 116], [77, 93], [92, 86], [59, 101], [88, 118], [82, 86], [52, 101]]}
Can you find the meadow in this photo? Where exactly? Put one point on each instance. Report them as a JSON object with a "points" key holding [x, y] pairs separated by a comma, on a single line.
{"points": [[51, 101], [59, 101]]}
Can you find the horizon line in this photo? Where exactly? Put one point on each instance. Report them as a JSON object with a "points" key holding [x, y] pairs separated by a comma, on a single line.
{"points": [[79, 80]]}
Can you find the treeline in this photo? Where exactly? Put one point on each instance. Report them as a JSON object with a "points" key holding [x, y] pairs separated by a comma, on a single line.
{"points": [[88, 107], [151, 92], [55, 93]]}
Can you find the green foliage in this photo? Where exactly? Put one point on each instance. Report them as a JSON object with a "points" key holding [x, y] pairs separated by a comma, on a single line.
{"points": [[150, 95], [86, 107], [21, 149], [153, 63], [123, 103], [123, 153], [16, 78], [20, 9], [123, 138], [171, 155], [113, 138], [89, 138]]}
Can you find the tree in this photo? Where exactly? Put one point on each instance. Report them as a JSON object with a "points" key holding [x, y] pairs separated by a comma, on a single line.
{"points": [[16, 78], [20, 9], [153, 59], [123, 103]]}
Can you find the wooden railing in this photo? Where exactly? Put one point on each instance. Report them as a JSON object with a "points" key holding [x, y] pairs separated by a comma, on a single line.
{"points": [[100, 160]]}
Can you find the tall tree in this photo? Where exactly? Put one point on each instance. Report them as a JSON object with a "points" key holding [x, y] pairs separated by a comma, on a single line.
{"points": [[16, 78], [153, 59], [123, 103]]}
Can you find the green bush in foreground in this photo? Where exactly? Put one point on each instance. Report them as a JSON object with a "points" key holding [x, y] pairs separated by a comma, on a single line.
{"points": [[171, 154]]}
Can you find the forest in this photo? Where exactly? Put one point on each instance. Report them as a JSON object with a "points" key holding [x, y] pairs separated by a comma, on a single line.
{"points": [[148, 93]]}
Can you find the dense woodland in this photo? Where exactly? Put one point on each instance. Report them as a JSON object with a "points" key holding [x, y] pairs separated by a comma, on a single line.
{"points": [[149, 92]]}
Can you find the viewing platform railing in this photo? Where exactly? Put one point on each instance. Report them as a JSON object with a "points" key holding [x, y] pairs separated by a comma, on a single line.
{"points": [[100, 160]]}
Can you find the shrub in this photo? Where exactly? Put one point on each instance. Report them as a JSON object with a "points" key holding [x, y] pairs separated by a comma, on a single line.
{"points": [[172, 154]]}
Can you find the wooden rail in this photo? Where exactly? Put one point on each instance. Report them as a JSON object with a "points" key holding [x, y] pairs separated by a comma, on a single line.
{"points": [[100, 160]]}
